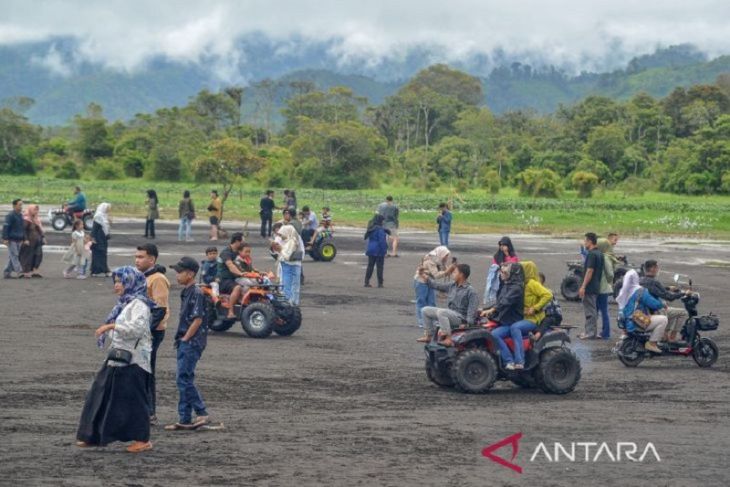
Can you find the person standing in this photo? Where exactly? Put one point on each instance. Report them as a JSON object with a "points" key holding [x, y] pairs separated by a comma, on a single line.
{"points": [[432, 266], [606, 249], [266, 212], [158, 290], [13, 238], [117, 405], [31, 254], [290, 258], [153, 213], [190, 341], [591, 286], [444, 224], [391, 216], [505, 254], [291, 202], [376, 250], [215, 213], [100, 242], [186, 212]]}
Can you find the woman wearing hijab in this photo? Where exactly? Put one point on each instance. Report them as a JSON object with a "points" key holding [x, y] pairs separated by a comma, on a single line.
{"points": [[609, 263], [290, 258], [509, 308], [31, 254], [432, 266], [117, 405], [377, 248], [505, 255], [629, 286], [100, 241]]}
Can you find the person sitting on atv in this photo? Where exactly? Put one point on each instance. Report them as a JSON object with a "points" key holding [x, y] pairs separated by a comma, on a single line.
{"points": [[77, 204], [324, 228], [309, 224], [462, 302], [244, 262], [209, 267], [327, 215], [509, 309], [536, 297], [553, 312], [675, 316], [227, 272], [642, 300]]}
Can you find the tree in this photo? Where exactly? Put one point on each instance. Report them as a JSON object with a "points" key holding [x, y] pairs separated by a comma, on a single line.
{"points": [[585, 183], [227, 162], [93, 140], [338, 104], [18, 139], [607, 144], [166, 163], [539, 183]]}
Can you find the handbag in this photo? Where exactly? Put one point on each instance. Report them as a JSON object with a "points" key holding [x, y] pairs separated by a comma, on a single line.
{"points": [[120, 355], [640, 319], [296, 256]]}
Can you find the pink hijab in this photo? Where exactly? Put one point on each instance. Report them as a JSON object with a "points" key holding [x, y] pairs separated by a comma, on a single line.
{"points": [[31, 214]]}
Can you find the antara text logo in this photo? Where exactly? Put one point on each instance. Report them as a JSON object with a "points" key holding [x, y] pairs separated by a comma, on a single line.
{"points": [[572, 452]]}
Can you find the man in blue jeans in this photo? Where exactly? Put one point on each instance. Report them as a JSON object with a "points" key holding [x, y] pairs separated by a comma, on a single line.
{"points": [[190, 340], [444, 223]]}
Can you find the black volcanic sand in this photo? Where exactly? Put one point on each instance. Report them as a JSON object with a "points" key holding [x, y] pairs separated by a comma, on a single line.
{"points": [[346, 401]]}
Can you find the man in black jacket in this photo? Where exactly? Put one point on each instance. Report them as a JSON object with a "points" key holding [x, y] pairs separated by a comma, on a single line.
{"points": [[676, 316], [14, 237], [267, 207]]}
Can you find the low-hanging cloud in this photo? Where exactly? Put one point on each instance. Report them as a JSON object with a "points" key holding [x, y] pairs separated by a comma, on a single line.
{"points": [[574, 34]]}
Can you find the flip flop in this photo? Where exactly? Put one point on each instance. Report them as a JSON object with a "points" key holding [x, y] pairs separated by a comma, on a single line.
{"points": [[139, 447], [179, 427]]}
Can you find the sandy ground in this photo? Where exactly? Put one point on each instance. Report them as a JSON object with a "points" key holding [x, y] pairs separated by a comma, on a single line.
{"points": [[346, 401]]}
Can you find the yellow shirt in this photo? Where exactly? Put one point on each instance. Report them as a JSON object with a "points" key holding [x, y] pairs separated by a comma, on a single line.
{"points": [[158, 290], [537, 296], [217, 206]]}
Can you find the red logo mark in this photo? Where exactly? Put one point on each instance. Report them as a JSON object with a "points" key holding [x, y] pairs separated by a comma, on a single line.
{"points": [[510, 440]]}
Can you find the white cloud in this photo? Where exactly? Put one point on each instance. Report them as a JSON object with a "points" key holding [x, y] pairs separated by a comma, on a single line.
{"points": [[574, 33]]}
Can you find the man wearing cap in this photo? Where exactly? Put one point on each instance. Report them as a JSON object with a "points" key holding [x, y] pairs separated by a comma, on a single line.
{"points": [[190, 341]]}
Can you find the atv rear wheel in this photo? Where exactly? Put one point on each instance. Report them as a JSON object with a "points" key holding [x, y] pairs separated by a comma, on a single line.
{"points": [[570, 286], [257, 319], [558, 371], [291, 324], [629, 353], [215, 322], [474, 371], [705, 353], [437, 377], [88, 221]]}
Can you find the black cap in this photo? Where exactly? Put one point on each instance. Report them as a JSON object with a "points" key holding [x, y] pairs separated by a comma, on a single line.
{"points": [[186, 264]]}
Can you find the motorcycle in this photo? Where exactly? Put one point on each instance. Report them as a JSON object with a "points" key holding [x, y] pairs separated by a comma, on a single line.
{"points": [[572, 281], [60, 218], [631, 352]]}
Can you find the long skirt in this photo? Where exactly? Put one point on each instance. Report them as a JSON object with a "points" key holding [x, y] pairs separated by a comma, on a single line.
{"points": [[117, 407], [31, 256], [98, 260]]}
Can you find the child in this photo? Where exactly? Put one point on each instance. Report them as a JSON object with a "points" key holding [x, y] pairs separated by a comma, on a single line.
{"points": [[323, 230], [190, 341], [88, 242], [245, 264], [75, 253], [209, 267]]}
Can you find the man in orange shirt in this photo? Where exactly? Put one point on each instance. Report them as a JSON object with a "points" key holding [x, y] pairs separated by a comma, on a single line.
{"points": [[158, 290]]}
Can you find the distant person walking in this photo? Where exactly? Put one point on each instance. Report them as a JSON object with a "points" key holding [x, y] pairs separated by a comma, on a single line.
{"points": [[186, 212], [591, 286], [13, 238], [31, 253], [606, 249], [377, 248], [153, 213], [117, 405], [266, 211], [100, 233], [444, 224], [215, 213], [391, 214]]}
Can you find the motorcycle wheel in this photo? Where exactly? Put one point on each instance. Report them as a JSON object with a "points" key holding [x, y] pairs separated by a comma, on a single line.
{"points": [[570, 286], [558, 371], [629, 353], [58, 223], [705, 353]]}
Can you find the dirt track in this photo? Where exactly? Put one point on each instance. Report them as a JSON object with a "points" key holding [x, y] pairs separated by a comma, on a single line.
{"points": [[346, 401]]}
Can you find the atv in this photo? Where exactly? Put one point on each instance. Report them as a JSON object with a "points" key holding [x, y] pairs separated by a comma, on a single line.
{"points": [[323, 249], [571, 283], [60, 218], [473, 364], [263, 309]]}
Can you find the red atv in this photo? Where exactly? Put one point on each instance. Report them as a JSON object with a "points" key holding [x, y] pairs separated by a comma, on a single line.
{"points": [[263, 309], [473, 363]]}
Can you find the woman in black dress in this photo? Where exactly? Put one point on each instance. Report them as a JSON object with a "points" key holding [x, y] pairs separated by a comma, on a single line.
{"points": [[100, 239], [31, 254]]}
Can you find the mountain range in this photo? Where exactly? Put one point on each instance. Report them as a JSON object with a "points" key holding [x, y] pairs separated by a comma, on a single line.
{"points": [[62, 85]]}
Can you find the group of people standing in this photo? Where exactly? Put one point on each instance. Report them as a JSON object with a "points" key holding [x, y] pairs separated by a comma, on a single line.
{"points": [[25, 237]]}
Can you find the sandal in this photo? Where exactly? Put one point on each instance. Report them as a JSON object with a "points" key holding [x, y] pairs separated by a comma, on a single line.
{"points": [[179, 427], [424, 339], [35, 274], [139, 446], [200, 421], [83, 444]]}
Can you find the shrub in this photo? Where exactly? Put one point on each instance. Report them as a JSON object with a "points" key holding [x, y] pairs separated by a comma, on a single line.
{"points": [[585, 182], [726, 182], [492, 182], [67, 170], [166, 164], [539, 183], [107, 169], [635, 186]]}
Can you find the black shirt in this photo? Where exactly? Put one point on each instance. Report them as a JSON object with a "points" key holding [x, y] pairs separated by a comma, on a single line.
{"points": [[267, 205], [193, 307], [594, 260], [658, 290], [224, 273]]}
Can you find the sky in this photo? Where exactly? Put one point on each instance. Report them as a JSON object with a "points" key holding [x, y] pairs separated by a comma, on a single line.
{"points": [[577, 34]]}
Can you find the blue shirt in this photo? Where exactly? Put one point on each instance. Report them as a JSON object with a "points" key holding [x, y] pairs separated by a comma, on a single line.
{"points": [[193, 306], [647, 304], [208, 271], [444, 221], [377, 243], [79, 201]]}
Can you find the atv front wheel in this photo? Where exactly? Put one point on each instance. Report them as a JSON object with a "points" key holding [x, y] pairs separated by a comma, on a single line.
{"points": [[437, 377], [558, 371], [58, 223], [705, 353], [291, 323], [88, 222], [257, 319], [570, 286], [474, 371]]}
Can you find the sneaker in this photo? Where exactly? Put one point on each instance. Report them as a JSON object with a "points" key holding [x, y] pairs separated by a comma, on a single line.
{"points": [[510, 366], [519, 366], [81, 276]]}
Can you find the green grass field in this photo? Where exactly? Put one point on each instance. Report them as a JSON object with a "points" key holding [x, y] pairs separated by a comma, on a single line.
{"points": [[474, 211]]}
